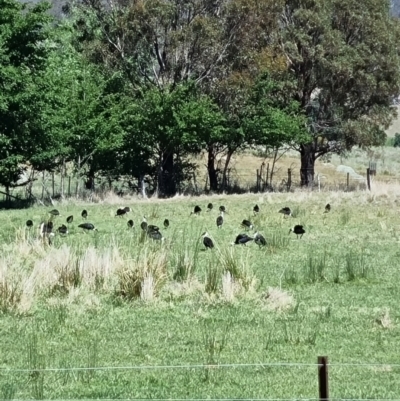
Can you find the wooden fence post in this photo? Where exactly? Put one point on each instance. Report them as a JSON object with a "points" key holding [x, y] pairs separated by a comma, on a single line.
{"points": [[368, 179], [43, 177], [267, 176], [323, 378], [52, 183], [289, 179], [258, 181], [69, 186], [348, 181]]}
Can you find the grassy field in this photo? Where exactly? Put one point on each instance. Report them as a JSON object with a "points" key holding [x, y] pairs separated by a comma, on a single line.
{"points": [[117, 298]]}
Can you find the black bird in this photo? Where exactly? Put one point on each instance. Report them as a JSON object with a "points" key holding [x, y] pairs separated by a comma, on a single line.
{"points": [[70, 219], [147, 227], [327, 208], [298, 230], [84, 214], [54, 212], [155, 235], [143, 224], [62, 229], [220, 220], [127, 209], [29, 223], [196, 210], [150, 227], [247, 224], [130, 223], [166, 223], [209, 207], [207, 241], [88, 227], [222, 209], [46, 231], [259, 239], [120, 212], [286, 211], [256, 209], [242, 239], [46, 228]]}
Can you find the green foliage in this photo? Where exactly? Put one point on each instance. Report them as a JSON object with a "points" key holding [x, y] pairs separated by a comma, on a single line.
{"points": [[137, 90], [270, 119], [23, 33], [337, 63], [173, 123]]}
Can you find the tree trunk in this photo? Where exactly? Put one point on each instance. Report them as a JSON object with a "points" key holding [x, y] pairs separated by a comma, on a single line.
{"points": [[212, 172], [89, 183], [8, 197], [167, 182], [227, 161], [307, 154]]}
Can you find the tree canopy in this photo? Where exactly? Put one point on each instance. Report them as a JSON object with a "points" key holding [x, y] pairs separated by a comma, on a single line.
{"points": [[137, 89]]}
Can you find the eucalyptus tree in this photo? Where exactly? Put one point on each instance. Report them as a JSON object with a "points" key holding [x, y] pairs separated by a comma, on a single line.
{"points": [[344, 57]]}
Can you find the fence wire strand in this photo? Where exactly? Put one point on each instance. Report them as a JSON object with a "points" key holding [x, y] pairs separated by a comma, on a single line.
{"points": [[199, 366], [209, 399]]}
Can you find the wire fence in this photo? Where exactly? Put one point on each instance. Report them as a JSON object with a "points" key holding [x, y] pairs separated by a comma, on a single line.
{"points": [[321, 384], [203, 366], [49, 186]]}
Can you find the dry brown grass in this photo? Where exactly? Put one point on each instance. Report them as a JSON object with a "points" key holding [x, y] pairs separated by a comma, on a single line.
{"points": [[278, 300], [143, 276], [384, 320]]}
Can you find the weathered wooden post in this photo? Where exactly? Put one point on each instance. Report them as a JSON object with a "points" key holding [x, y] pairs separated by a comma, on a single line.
{"points": [[289, 179], [43, 177], [368, 179], [52, 183], [323, 378]]}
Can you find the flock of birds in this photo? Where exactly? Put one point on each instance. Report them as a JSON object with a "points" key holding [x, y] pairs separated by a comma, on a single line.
{"points": [[46, 230], [243, 238]]}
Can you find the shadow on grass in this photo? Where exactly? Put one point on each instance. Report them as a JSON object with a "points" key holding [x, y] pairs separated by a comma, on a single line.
{"points": [[16, 203]]}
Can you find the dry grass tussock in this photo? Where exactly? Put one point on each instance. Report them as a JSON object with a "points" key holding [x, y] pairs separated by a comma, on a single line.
{"points": [[238, 278], [61, 271], [143, 276], [65, 272], [384, 320], [189, 288], [278, 300], [28, 270]]}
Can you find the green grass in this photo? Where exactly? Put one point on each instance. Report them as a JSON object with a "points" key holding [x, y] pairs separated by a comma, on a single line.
{"points": [[116, 298]]}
